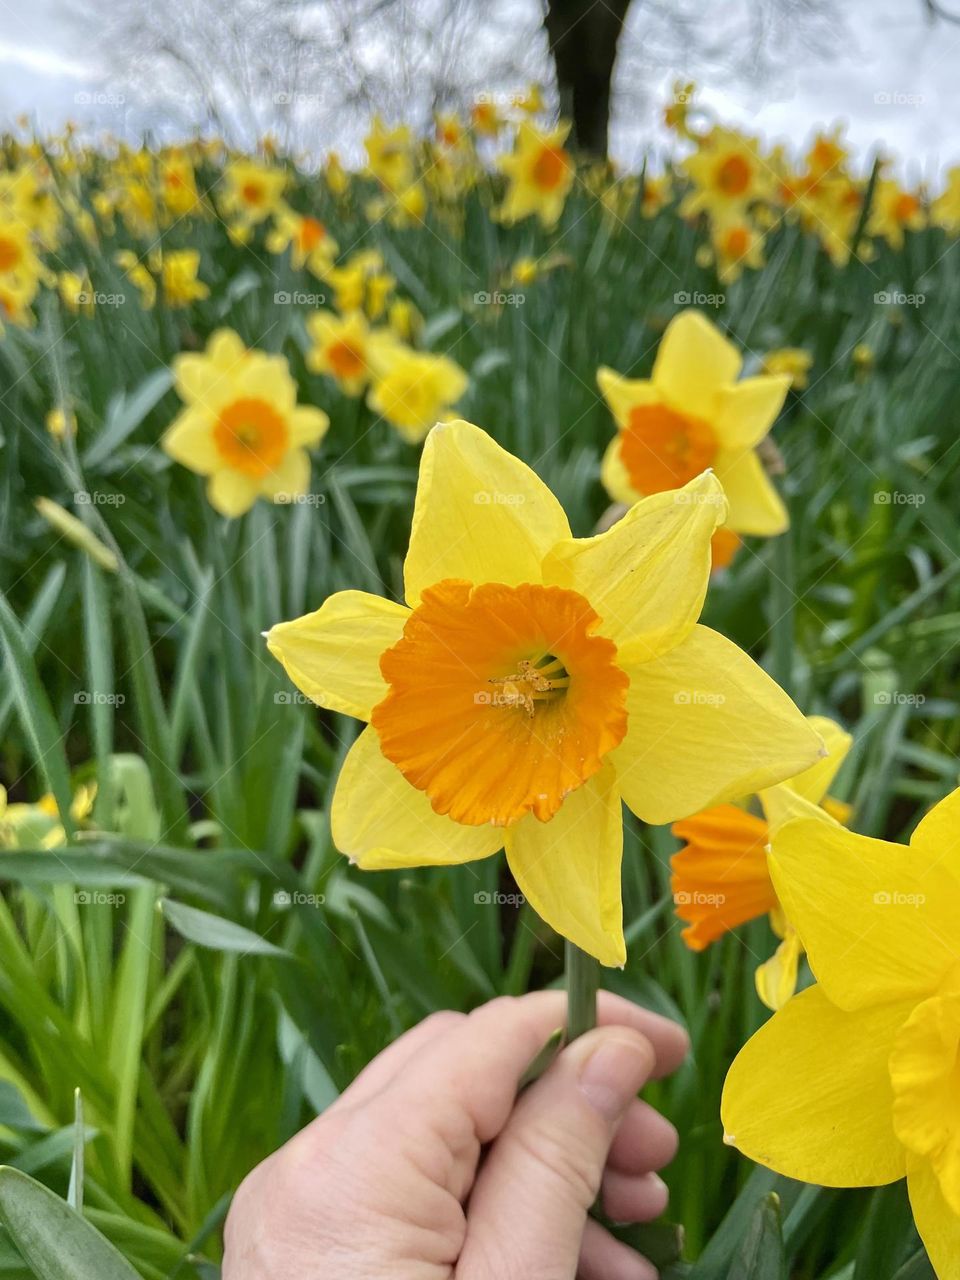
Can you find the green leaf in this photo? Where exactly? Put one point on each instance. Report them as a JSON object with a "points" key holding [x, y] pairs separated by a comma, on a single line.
{"points": [[36, 714], [760, 1257], [207, 930], [124, 415], [55, 1241]]}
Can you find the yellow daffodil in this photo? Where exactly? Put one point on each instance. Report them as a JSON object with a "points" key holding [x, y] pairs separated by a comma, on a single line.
{"points": [[336, 177], [692, 414], [450, 129], [894, 211], [721, 879], [531, 103], [176, 271], [854, 1081], [390, 155], [792, 361], [863, 357], [677, 110], [178, 184], [404, 320], [728, 174], [540, 174], [532, 681], [250, 193], [341, 349], [361, 284], [311, 244], [657, 193], [76, 293], [485, 118], [735, 243], [241, 425], [945, 211], [413, 389], [61, 424], [828, 154]]}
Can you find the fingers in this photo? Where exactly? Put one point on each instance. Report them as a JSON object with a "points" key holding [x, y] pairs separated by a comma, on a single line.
{"points": [[633, 1198], [477, 1062], [645, 1141], [385, 1067], [604, 1258], [530, 1200]]}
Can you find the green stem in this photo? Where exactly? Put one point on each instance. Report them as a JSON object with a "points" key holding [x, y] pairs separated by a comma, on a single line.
{"points": [[582, 976]]}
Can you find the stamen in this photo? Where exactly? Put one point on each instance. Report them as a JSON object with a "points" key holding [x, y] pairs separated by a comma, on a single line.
{"points": [[543, 687]]}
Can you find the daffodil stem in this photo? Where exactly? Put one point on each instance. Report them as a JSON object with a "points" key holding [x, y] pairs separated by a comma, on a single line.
{"points": [[582, 977]]}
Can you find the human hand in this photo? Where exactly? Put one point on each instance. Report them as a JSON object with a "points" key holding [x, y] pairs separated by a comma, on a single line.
{"points": [[429, 1166]]}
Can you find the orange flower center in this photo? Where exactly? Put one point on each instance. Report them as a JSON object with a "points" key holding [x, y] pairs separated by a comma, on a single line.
{"points": [[733, 176], [737, 242], [501, 699], [251, 437], [9, 254], [662, 449], [905, 207], [252, 192], [550, 168], [345, 360], [720, 878], [312, 232]]}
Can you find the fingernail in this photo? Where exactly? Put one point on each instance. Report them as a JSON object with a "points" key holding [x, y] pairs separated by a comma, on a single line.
{"points": [[613, 1073]]}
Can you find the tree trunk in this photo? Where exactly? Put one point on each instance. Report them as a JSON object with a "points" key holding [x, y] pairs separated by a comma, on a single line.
{"points": [[583, 40]]}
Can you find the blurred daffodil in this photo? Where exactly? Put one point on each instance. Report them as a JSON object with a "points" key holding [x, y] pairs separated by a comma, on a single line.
{"points": [[311, 244], [853, 1082], [795, 362], [532, 682], [241, 426], [540, 173], [341, 349], [413, 389], [693, 414]]}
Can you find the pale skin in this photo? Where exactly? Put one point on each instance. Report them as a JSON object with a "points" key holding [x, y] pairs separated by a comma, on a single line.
{"points": [[431, 1166]]}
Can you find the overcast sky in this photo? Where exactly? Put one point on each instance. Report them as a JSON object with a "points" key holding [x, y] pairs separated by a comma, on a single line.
{"points": [[895, 80]]}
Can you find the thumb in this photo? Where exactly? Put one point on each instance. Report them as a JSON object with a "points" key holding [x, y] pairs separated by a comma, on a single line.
{"points": [[529, 1204]]}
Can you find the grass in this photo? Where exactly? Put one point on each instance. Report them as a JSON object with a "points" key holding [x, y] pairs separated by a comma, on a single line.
{"points": [[199, 962]]}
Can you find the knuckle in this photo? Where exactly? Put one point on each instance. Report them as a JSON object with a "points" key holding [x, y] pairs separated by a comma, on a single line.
{"points": [[566, 1156]]}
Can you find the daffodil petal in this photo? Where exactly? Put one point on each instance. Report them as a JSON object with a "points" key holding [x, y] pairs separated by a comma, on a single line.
{"points": [[231, 492], [755, 506], [707, 725], [814, 782], [781, 804], [614, 475], [568, 869], [938, 1225], [646, 576], [623, 394], [480, 514], [809, 1095], [776, 978], [333, 654], [205, 377], [190, 441], [381, 822], [290, 479], [878, 920], [938, 832], [694, 361], [747, 410], [308, 425]]}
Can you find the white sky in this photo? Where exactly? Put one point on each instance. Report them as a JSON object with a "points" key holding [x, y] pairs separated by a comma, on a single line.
{"points": [[896, 83]]}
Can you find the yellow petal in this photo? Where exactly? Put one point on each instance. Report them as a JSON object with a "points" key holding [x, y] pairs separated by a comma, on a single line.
{"points": [[937, 831], [809, 1094], [568, 869], [308, 425], [231, 492], [189, 441], [776, 978], [380, 821], [707, 725], [614, 475], [694, 361], [755, 506], [288, 480], [647, 575], [938, 1225], [781, 804], [480, 514], [878, 921], [747, 410], [623, 394], [333, 654], [814, 782]]}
